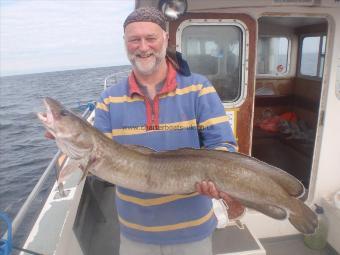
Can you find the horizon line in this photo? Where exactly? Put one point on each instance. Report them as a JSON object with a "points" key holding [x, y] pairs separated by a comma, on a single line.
{"points": [[54, 71]]}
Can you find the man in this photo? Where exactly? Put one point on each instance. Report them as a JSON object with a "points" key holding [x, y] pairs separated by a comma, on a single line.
{"points": [[160, 108]]}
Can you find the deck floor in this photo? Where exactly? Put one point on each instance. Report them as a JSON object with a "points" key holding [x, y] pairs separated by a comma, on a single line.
{"points": [[97, 229], [293, 245]]}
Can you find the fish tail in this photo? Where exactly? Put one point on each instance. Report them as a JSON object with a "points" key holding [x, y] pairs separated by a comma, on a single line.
{"points": [[303, 218], [289, 183]]}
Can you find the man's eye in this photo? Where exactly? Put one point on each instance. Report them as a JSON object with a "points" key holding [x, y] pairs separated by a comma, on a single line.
{"points": [[63, 112]]}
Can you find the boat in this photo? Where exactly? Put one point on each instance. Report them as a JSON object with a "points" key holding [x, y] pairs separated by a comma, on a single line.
{"points": [[276, 66]]}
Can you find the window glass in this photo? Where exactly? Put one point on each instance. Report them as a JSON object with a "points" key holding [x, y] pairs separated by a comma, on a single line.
{"points": [[310, 55], [193, 47], [313, 52], [211, 48], [215, 51], [272, 55]]}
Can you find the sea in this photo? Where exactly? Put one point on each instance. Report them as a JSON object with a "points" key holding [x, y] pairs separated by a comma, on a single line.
{"points": [[24, 151]]}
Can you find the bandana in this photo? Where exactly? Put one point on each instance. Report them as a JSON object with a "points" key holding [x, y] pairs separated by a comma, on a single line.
{"points": [[147, 14]]}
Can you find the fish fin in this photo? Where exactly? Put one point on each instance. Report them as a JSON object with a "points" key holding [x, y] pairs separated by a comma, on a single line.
{"points": [[272, 211], [86, 169], [83, 176], [141, 149], [303, 218], [288, 182], [67, 170]]}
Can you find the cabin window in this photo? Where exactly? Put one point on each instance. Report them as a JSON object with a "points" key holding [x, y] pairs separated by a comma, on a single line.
{"points": [[272, 55], [313, 50], [216, 52]]}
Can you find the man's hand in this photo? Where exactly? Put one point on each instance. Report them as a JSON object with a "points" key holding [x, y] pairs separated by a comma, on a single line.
{"points": [[235, 209]]}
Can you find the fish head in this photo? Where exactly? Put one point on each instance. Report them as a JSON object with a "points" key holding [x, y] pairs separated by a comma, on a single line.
{"points": [[57, 120], [69, 130]]}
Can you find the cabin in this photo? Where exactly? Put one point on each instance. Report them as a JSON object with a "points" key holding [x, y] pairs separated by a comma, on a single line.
{"points": [[276, 67], [284, 58]]}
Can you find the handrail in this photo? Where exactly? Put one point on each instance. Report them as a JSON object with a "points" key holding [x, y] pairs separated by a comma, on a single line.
{"points": [[23, 210], [37, 188], [114, 76]]}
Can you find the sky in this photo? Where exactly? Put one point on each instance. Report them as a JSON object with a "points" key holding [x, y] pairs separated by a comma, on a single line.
{"points": [[51, 35]]}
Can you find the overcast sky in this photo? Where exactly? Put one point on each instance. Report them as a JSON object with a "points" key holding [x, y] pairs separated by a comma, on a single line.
{"points": [[50, 35]]}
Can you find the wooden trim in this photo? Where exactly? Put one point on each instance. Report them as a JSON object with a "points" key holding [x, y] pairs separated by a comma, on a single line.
{"points": [[312, 29], [263, 101]]}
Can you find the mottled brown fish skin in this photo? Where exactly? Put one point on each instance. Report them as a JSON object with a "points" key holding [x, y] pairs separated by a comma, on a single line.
{"points": [[255, 184]]}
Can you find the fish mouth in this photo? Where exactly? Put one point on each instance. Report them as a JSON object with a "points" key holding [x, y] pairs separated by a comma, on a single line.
{"points": [[47, 118]]}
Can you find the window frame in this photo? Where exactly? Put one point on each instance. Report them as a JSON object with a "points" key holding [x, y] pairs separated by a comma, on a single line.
{"points": [[289, 50], [312, 77], [244, 49]]}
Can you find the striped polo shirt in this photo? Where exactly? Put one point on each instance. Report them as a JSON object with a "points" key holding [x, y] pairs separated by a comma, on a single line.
{"points": [[186, 112]]}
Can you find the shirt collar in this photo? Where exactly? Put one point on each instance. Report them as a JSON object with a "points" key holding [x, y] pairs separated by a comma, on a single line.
{"points": [[170, 82]]}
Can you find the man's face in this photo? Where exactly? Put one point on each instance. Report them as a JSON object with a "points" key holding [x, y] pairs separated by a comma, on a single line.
{"points": [[146, 44]]}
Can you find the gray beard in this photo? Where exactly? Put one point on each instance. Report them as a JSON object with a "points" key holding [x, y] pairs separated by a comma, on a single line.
{"points": [[152, 66]]}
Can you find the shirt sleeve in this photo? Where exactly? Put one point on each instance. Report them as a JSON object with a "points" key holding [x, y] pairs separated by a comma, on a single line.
{"points": [[214, 128], [102, 119]]}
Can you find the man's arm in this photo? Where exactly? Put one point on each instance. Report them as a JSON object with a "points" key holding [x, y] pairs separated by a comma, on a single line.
{"points": [[214, 128], [215, 133], [102, 119]]}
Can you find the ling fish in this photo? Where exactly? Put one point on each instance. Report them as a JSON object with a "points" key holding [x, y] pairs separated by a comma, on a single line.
{"points": [[255, 184]]}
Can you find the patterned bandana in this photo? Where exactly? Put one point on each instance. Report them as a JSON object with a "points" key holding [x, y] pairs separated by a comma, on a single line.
{"points": [[147, 14]]}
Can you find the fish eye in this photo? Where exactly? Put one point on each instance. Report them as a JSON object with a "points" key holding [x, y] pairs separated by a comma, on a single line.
{"points": [[63, 112]]}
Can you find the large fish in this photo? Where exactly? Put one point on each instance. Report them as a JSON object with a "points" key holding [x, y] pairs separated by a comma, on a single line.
{"points": [[255, 184]]}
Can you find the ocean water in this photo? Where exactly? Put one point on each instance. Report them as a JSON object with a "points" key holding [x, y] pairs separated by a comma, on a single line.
{"points": [[24, 151]]}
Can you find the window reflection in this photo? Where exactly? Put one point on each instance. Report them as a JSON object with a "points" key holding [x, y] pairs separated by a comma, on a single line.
{"points": [[313, 50], [272, 55], [215, 51]]}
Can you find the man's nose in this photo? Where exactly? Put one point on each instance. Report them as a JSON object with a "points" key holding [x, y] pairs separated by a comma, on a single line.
{"points": [[143, 45]]}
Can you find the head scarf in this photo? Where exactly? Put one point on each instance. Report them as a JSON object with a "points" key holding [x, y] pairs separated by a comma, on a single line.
{"points": [[146, 14]]}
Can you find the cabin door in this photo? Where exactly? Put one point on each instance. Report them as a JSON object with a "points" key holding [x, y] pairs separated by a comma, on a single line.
{"points": [[222, 47], [290, 61]]}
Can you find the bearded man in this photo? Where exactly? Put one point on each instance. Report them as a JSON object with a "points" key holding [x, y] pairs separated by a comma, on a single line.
{"points": [[163, 108]]}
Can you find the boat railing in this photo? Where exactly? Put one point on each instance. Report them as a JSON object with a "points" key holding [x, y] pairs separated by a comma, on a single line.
{"points": [[40, 184], [109, 81], [114, 78]]}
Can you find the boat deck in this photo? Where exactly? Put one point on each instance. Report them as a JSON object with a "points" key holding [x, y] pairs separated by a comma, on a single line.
{"points": [[292, 245], [94, 229], [230, 240]]}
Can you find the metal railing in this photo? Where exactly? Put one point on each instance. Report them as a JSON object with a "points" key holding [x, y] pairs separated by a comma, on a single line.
{"points": [[37, 188], [114, 78]]}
